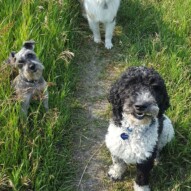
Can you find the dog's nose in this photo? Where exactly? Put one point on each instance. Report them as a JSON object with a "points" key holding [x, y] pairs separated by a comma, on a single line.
{"points": [[32, 66], [140, 107]]}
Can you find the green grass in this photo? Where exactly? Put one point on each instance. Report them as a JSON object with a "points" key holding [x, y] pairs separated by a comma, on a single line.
{"points": [[36, 155]]}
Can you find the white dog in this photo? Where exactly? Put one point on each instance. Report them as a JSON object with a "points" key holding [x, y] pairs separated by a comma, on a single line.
{"points": [[103, 11]]}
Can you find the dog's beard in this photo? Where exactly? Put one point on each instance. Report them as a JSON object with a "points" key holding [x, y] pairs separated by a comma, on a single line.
{"points": [[140, 117], [29, 75], [134, 121]]}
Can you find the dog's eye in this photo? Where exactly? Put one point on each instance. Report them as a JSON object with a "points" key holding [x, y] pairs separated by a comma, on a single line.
{"points": [[20, 65], [21, 61], [30, 56]]}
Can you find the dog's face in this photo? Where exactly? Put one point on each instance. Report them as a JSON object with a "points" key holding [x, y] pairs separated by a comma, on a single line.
{"points": [[29, 65], [140, 95], [140, 106]]}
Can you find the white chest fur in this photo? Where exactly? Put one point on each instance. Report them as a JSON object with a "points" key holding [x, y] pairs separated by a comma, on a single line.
{"points": [[137, 147], [101, 10]]}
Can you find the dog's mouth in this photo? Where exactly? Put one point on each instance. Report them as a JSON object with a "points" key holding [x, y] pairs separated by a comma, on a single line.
{"points": [[35, 70], [141, 115], [32, 72]]}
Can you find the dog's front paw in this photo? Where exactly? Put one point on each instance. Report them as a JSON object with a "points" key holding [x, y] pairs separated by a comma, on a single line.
{"points": [[108, 44], [115, 173], [97, 40], [141, 188]]}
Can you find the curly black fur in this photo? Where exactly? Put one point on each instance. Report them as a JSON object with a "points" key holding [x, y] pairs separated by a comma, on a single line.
{"points": [[135, 79]]}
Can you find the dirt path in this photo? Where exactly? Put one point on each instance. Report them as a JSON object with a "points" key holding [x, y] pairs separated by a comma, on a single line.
{"points": [[91, 116]]}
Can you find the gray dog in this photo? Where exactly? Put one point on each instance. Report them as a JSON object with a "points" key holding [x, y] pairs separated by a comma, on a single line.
{"points": [[29, 84]]}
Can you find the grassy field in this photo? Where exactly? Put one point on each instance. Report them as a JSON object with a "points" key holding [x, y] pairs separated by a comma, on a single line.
{"points": [[37, 155]]}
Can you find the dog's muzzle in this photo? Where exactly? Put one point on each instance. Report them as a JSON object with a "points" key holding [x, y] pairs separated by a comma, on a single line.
{"points": [[142, 110]]}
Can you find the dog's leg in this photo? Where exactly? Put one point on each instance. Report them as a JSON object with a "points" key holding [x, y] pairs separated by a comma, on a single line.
{"points": [[167, 133], [45, 100], [117, 169], [25, 104], [109, 28], [94, 26], [143, 172]]}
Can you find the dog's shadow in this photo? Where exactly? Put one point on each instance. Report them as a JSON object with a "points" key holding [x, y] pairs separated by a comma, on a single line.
{"points": [[144, 33]]}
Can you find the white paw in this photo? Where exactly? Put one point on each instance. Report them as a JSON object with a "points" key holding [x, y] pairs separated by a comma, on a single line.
{"points": [[97, 40], [108, 44], [156, 161], [141, 188], [115, 173]]}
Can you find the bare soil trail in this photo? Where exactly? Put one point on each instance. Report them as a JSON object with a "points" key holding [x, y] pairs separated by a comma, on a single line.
{"points": [[92, 115]]}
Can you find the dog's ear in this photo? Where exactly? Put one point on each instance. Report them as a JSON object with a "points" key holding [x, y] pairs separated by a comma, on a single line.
{"points": [[159, 87], [13, 54], [116, 102], [29, 44], [11, 60], [165, 102]]}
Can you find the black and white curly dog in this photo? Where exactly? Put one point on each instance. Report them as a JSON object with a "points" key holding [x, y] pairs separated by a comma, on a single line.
{"points": [[139, 129]]}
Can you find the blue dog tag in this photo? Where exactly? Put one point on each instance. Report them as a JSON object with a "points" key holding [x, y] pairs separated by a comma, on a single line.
{"points": [[124, 136]]}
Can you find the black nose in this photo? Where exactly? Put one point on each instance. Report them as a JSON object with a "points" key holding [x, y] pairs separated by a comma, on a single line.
{"points": [[141, 107], [32, 66]]}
